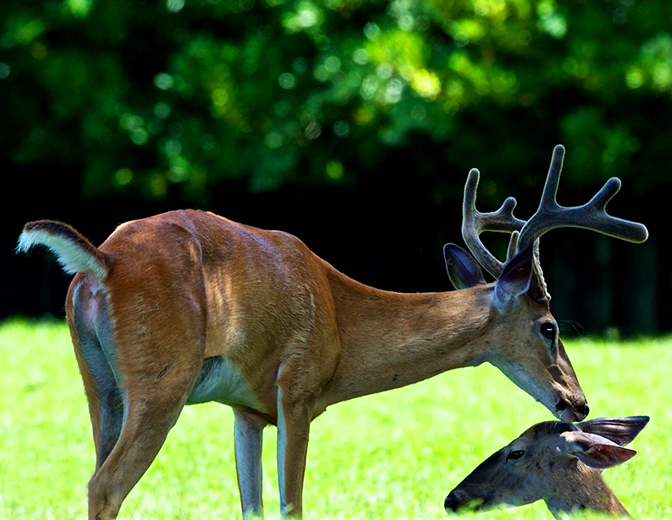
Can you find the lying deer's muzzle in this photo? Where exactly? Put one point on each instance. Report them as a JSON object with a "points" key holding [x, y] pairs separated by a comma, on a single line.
{"points": [[454, 503], [451, 504]]}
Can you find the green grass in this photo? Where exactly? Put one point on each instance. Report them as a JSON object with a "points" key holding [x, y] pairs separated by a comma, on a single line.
{"points": [[393, 455]]}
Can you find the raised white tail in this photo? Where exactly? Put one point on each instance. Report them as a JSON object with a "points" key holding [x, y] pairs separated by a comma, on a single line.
{"points": [[74, 252]]}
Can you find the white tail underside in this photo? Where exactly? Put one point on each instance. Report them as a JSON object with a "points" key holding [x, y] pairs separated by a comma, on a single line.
{"points": [[70, 255]]}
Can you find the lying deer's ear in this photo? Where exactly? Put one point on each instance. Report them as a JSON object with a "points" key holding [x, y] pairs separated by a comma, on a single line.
{"points": [[621, 430], [593, 450], [463, 270], [515, 278]]}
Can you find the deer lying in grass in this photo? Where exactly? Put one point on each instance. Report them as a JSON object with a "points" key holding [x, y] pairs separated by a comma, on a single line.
{"points": [[560, 463], [187, 307]]}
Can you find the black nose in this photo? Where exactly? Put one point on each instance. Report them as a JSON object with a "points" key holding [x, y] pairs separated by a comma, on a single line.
{"points": [[450, 504], [581, 409], [586, 409]]}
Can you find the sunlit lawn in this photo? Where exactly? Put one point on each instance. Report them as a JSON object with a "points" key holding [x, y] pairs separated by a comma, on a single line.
{"points": [[394, 455]]}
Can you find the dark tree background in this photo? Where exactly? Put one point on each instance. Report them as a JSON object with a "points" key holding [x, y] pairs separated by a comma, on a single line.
{"points": [[350, 123]]}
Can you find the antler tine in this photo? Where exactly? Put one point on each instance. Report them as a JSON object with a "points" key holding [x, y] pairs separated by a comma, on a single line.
{"points": [[592, 215], [475, 222], [513, 246]]}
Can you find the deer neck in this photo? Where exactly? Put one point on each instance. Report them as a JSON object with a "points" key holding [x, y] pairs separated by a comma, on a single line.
{"points": [[389, 340], [593, 493]]}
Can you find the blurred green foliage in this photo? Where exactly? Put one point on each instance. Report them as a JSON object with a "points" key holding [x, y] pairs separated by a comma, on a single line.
{"points": [[144, 97]]}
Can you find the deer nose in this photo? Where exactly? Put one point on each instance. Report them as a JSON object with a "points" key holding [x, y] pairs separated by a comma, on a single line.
{"points": [[451, 504], [579, 411], [585, 409]]}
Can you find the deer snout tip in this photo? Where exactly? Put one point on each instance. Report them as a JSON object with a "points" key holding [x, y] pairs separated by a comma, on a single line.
{"points": [[459, 500], [569, 412], [585, 411], [451, 504]]}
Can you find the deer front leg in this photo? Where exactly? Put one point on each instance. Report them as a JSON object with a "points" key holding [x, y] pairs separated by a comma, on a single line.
{"points": [[248, 438], [293, 428]]}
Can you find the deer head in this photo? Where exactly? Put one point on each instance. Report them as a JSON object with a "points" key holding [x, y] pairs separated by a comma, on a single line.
{"points": [[533, 355], [553, 461]]}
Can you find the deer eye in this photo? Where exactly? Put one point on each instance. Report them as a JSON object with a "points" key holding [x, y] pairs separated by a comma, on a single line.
{"points": [[549, 330], [515, 455]]}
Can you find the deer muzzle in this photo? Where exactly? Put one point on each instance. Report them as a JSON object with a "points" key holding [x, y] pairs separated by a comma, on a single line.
{"points": [[571, 410], [458, 501]]}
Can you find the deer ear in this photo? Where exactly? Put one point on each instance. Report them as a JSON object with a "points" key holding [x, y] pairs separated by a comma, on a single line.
{"points": [[621, 430], [515, 278], [603, 456], [463, 270], [593, 450]]}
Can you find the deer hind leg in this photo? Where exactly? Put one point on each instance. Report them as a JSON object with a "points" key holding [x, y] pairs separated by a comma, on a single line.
{"points": [[152, 402], [92, 338], [248, 435], [105, 401], [155, 368]]}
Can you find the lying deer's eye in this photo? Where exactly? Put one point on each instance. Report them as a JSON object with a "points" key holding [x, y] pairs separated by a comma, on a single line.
{"points": [[549, 330], [515, 455]]}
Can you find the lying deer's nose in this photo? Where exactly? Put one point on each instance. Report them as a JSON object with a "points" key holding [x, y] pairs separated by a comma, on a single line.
{"points": [[450, 504]]}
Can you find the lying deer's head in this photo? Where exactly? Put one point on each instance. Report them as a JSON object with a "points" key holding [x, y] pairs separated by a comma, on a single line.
{"points": [[525, 344], [552, 461]]}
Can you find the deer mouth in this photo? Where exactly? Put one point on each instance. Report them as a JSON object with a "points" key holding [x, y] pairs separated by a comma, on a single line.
{"points": [[455, 504], [569, 412]]}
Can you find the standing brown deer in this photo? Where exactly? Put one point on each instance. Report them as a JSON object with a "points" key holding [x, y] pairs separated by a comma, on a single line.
{"points": [[187, 307], [560, 463]]}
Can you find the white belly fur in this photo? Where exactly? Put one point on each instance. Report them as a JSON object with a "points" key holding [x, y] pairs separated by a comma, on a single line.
{"points": [[220, 381]]}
